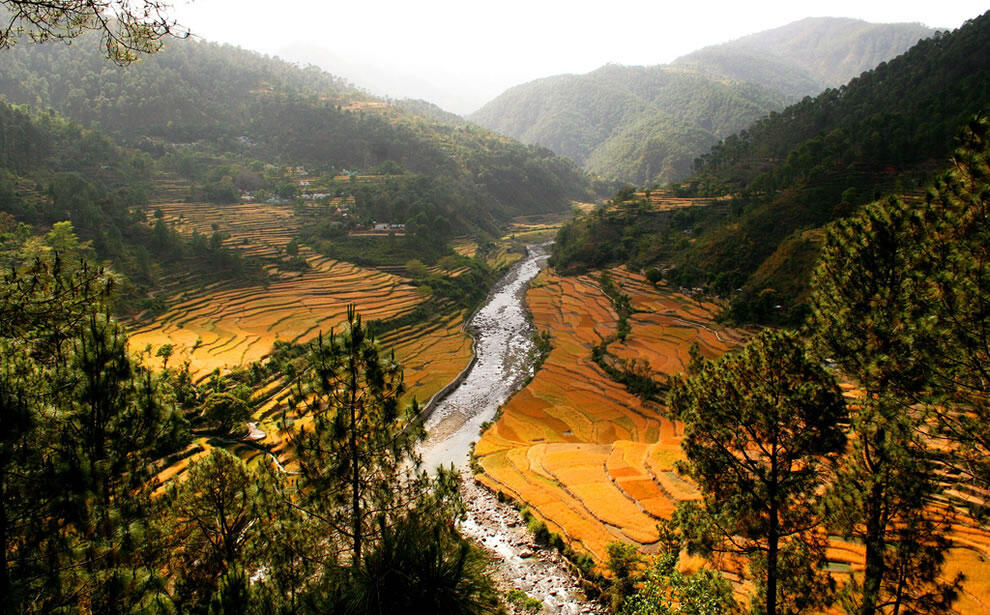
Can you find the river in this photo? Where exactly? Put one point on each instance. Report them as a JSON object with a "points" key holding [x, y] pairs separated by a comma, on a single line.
{"points": [[504, 354]]}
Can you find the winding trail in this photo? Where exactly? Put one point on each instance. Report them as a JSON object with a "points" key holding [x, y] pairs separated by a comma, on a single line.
{"points": [[504, 353]]}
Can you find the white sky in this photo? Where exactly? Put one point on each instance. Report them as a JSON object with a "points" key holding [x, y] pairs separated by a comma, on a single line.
{"points": [[471, 50]]}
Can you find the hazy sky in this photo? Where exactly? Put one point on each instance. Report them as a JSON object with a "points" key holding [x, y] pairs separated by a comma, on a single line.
{"points": [[460, 54]]}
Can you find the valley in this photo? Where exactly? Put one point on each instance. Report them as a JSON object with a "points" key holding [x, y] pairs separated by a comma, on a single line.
{"points": [[272, 345]]}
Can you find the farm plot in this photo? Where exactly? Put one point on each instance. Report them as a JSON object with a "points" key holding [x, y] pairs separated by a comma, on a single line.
{"points": [[432, 353], [577, 447], [666, 325], [597, 464], [225, 326], [256, 229]]}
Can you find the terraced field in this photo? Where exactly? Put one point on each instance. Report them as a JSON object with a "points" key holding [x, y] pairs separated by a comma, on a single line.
{"points": [[663, 201], [597, 464], [225, 325], [588, 457], [228, 324], [256, 229]]}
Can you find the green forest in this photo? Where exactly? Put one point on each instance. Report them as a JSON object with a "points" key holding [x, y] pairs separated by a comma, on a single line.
{"points": [[790, 174]]}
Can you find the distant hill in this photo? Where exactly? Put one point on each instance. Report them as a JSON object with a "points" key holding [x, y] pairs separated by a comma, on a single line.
{"points": [[789, 174], [648, 124], [208, 99], [631, 123], [807, 56]]}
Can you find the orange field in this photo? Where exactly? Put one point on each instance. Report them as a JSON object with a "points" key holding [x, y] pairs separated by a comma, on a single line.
{"points": [[586, 456], [226, 325], [256, 229], [596, 463], [432, 354]]}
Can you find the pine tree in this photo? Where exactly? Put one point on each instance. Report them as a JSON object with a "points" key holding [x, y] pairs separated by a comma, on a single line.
{"points": [[80, 425], [213, 522], [954, 253], [40, 306], [866, 316], [358, 461], [759, 426]]}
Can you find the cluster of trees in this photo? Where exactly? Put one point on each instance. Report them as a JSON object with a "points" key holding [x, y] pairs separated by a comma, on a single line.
{"points": [[185, 92], [123, 29], [628, 230], [899, 305], [795, 171], [86, 527]]}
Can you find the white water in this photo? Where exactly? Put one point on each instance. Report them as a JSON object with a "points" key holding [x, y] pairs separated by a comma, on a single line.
{"points": [[503, 351], [504, 360]]}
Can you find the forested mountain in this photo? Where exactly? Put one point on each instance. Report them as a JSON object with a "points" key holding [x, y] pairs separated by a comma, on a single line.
{"points": [[795, 171], [807, 56], [631, 123], [195, 97], [73, 190], [647, 124]]}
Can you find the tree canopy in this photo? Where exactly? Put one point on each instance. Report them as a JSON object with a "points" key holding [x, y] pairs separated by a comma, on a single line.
{"points": [[125, 28], [759, 428]]}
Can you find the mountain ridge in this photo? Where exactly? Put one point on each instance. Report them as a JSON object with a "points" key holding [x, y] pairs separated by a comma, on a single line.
{"points": [[664, 116]]}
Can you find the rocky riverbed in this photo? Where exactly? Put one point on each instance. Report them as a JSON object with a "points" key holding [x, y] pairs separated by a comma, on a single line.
{"points": [[503, 361], [541, 572]]}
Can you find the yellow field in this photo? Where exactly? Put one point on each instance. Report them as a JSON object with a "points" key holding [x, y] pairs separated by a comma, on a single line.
{"points": [[578, 448], [255, 229], [226, 325], [596, 463]]}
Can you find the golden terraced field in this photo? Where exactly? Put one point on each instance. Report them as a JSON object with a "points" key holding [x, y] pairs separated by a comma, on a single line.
{"points": [[596, 463], [585, 455], [224, 325]]}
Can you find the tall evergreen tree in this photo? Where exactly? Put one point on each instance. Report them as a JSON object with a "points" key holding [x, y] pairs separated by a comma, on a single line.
{"points": [[80, 426], [358, 461], [213, 520], [759, 426], [867, 318], [40, 306], [953, 266]]}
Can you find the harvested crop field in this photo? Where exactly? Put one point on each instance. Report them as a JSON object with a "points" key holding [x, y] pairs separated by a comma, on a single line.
{"points": [[224, 326], [588, 457], [256, 229], [432, 354], [597, 464]]}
